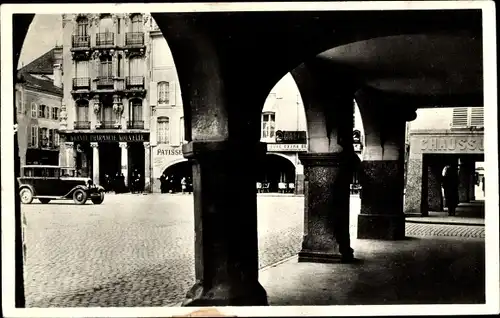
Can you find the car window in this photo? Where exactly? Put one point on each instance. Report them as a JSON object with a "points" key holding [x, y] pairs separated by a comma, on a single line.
{"points": [[28, 172], [52, 173], [38, 172]]}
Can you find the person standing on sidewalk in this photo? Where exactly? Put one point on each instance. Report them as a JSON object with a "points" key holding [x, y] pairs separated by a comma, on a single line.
{"points": [[450, 187]]}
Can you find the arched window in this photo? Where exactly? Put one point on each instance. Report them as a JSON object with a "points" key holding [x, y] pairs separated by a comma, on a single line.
{"points": [[106, 23], [268, 125], [136, 25], [181, 133], [163, 89], [34, 110], [82, 25], [163, 129]]}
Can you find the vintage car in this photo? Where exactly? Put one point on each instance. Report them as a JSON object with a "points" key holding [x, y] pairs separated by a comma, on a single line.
{"points": [[47, 183]]}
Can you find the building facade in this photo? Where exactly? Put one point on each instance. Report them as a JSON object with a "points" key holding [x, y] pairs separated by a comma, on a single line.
{"points": [[38, 97], [439, 137], [123, 108], [105, 117]]}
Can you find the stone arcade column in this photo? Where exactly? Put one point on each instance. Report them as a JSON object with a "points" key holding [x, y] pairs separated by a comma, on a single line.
{"points": [[434, 189], [466, 173], [326, 210], [225, 207], [328, 165], [124, 161], [95, 162], [147, 167], [382, 172]]}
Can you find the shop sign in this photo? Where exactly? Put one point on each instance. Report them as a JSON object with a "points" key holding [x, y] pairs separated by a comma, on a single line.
{"points": [[287, 147], [107, 137], [453, 144], [169, 152], [291, 137]]}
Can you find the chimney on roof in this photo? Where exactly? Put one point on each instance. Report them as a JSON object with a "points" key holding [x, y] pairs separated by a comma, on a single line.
{"points": [[57, 66]]}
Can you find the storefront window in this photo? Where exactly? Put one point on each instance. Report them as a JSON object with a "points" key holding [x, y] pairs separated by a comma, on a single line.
{"points": [[163, 130]]}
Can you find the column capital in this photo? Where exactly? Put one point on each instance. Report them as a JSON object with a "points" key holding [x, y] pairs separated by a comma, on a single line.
{"points": [[197, 149], [146, 145], [123, 144], [333, 159], [69, 143], [94, 145]]}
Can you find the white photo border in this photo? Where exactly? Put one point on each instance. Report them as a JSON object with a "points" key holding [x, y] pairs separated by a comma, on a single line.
{"points": [[491, 160]]}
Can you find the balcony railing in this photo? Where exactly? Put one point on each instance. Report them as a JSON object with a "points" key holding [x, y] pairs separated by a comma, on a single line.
{"points": [[82, 124], [134, 38], [81, 83], [135, 81], [106, 124], [135, 124], [81, 41], [104, 82], [105, 39]]}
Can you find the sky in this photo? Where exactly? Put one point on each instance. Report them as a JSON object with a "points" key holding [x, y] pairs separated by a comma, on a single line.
{"points": [[44, 33]]}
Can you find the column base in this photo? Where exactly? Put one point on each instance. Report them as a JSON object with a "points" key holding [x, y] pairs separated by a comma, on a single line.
{"points": [[381, 227], [236, 294], [319, 257]]}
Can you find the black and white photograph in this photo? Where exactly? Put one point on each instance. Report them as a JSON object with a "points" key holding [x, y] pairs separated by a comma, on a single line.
{"points": [[249, 159]]}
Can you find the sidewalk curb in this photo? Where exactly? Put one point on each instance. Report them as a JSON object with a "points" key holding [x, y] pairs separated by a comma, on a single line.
{"points": [[444, 223], [278, 263]]}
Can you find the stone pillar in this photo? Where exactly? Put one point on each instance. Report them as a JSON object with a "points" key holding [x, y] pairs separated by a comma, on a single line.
{"points": [[465, 174], [95, 162], [147, 167], [326, 211], [472, 184], [225, 206], [434, 189], [416, 187], [382, 172], [124, 161]]}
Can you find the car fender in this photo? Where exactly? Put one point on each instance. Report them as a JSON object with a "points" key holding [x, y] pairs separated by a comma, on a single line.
{"points": [[22, 186], [84, 188], [100, 188]]}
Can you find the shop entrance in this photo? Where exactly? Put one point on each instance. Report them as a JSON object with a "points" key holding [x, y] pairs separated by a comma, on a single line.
{"points": [[136, 166], [83, 160], [276, 175], [174, 175], [109, 161]]}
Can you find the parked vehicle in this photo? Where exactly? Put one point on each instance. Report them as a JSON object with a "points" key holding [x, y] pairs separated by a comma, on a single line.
{"points": [[47, 183]]}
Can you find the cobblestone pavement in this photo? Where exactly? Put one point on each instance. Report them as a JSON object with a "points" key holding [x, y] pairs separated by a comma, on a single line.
{"points": [[138, 250]]}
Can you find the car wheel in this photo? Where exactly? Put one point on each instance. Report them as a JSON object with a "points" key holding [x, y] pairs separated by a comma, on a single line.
{"points": [[99, 199], [80, 196], [44, 201], [26, 195]]}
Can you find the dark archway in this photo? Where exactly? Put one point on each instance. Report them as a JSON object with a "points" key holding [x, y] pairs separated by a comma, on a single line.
{"points": [[276, 169], [172, 183]]}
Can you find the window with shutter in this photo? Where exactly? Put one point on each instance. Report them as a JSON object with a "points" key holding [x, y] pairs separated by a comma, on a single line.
{"points": [[477, 116], [34, 110], [163, 130], [163, 91], [153, 93], [171, 93], [268, 125], [460, 117]]}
